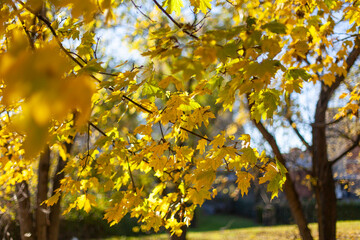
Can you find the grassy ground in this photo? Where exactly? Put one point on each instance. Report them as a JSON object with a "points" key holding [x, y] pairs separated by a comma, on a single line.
{"points": [[223, 227], [207, 223]]}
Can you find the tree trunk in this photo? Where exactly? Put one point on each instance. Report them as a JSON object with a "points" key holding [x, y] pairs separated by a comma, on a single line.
{"points": [[289, 187], [25, 217], [182, 236], [296, 208], [326, 203], [55, 210], [322, 172], [42, 191]]}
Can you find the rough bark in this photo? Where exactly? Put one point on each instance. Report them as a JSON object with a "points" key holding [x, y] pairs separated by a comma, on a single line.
{"points": [[322, 170], [24, 211], [55, 210], [289, 187], [324, 187], [42, 191]]}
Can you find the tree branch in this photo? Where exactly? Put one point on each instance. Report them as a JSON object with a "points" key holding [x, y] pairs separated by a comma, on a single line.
{"points": [[296, 130], [271, 140], [289, 186], [349, 149], [293, 124], [142, 13], [352, 57], [174, 21]]}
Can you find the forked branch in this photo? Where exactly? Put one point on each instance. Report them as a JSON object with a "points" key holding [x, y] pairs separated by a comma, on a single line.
{"points": [[355, 144]]}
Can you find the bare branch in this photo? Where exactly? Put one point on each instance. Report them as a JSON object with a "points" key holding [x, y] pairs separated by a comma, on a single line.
{"points": [[139, 9], [97, 129], [346, 151], [297, 132], [336, 134]]}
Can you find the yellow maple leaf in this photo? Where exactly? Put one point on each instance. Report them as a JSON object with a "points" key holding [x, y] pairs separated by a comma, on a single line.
{"points": [[218, 141], [329, 79], [53, 199], [85, 201], [201, 145], [275, 174], [143, 129], [207, 55], [173, 6], [244, 181]]}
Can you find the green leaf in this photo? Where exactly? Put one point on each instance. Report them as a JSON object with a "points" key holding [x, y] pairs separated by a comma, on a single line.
{"points": [[271, 46], [264, 103], [229, 50], [276, 175], [264, 70], [294, 79], [330, 3], [275, 27], [248, 155], [173, 6], [250, 21], [299, 33], [296, 74]]}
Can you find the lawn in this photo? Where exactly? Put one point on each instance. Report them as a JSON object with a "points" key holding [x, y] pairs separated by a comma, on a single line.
{"points": [[223, 227]]}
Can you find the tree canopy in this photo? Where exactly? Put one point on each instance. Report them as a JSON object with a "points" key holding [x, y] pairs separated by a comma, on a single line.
{"points": [[202, 58]]}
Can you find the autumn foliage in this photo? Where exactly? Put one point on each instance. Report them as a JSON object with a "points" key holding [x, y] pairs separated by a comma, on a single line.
{"points": [[55, 87]]}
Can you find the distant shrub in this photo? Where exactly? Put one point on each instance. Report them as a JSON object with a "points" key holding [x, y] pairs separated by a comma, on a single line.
{"points": [[83, 226], [346, 210]]}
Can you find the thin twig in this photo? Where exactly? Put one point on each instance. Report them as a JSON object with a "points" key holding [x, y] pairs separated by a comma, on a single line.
{"points": [[131, 176], [139, 9], [98, 129], [173, 20], [162, 133], [294, 127], [96, 47], [78, 56]]}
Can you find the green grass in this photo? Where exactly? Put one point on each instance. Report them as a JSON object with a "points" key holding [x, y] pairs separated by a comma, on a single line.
{"points": [[221, 222], [345, 230]]}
